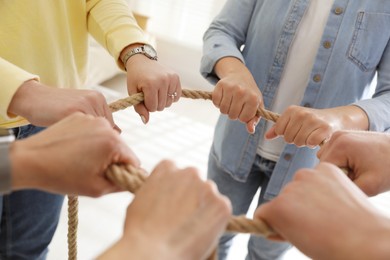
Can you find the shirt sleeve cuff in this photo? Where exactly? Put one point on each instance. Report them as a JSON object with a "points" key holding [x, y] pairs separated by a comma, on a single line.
{"points": [[12, 78]]}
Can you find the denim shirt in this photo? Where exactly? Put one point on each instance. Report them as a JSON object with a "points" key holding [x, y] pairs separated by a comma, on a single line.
{"points": [[354, 47]]}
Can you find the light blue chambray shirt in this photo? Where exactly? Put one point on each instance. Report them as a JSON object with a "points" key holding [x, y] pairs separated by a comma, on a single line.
{"points": [[358, 32]]}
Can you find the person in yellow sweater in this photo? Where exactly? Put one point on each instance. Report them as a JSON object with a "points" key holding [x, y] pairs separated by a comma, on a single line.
{"points": [[43, 65]]}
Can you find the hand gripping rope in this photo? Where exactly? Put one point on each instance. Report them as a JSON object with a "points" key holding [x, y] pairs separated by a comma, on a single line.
{"points": [[131, 179]]}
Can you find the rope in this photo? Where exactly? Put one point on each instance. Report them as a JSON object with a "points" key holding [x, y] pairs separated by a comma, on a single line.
{"points": [[187, 93], [72, 227], [131, 179]]}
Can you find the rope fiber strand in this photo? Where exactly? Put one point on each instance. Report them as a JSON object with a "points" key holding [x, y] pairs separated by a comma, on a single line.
{"points": [[131, 179]]}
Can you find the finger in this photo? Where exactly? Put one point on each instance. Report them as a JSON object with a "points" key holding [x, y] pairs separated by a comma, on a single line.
{"points": [[324, 147], [151, 99], [217, 96], [271, 134], [276, 238], [164, 166], [236, 107], [171, 96], [163, 98], [127, 156], [248, 112], [142, 112], [317, 137], [174, 90], [281, 125], [103, 186], [226, 103], [108, 114], [116, 128], [291, 132], [264, 213], [251, 124], [178, 90]]}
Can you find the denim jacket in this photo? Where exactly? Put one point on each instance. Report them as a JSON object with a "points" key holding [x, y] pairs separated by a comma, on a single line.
{"points": [[354, 47]]}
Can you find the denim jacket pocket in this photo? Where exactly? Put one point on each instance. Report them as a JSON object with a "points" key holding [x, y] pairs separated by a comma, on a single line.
{"points": [[370, 38]]}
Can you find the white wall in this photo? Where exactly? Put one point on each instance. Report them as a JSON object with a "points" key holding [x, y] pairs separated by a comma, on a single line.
{"points": [[185, 60], [178, 26]]}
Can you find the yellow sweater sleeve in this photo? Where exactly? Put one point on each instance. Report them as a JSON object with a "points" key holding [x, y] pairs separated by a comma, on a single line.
{"points": [[113, 25], [12, 77]]}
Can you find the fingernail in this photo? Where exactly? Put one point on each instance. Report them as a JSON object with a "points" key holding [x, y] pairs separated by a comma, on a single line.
{"points": [[143, 119], [254, 127]]}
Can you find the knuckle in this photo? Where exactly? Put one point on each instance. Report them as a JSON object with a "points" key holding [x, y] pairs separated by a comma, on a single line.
{"points": [[193, 173], [95, 192], [300, 175], [245, 118]]}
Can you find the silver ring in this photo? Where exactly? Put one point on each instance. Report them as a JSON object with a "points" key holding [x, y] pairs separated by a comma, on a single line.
{"points": [[173, 95]]}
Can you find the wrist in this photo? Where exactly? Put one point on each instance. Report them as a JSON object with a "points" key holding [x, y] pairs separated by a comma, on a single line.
{"points": [[354, 118], [131, 246], [27, 166], [20, 101], [138, 49], [229, 65]]}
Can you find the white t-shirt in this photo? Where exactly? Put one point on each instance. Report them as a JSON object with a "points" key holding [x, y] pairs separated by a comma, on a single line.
{"points": [[297, 70]]}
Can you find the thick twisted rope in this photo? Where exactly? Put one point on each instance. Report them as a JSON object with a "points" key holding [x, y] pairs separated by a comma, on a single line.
{"points": [[131, 179], [187, 93], [73, 203]]}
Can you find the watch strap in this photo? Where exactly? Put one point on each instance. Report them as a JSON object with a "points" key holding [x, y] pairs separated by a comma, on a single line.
{"points": [[134, 51], [5, 169]]}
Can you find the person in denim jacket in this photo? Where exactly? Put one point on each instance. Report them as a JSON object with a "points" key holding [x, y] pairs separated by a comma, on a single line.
{"points": [[312, 61]]}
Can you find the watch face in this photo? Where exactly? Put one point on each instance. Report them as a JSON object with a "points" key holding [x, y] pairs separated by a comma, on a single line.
{"points": [[150, 51]]}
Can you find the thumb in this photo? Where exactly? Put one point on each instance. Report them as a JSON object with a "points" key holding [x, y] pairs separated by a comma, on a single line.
{"points": [[265, 213], [271, 133], [251, 124]]}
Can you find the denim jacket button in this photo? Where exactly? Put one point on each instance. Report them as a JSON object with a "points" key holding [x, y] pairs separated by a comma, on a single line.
{"points": [[317, 78], [287, 156], [338, 10], [327, 44]]}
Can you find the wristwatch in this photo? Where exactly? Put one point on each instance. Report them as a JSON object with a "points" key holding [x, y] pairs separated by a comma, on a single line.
{"points": [[6, 138], [145, 49]]}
